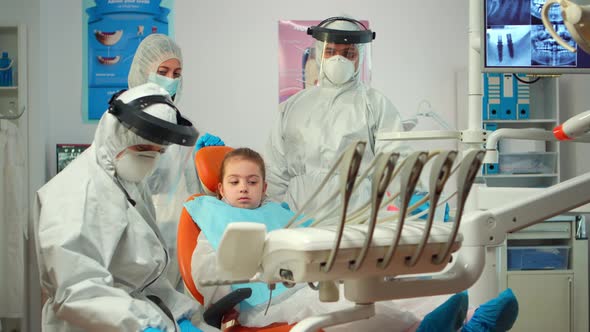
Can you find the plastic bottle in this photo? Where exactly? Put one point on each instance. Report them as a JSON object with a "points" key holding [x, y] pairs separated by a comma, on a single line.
{"points": [[5, 70]]}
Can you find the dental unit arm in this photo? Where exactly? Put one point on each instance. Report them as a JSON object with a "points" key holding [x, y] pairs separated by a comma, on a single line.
{"points": [[365, 257], [575, 129], [359, 253]]}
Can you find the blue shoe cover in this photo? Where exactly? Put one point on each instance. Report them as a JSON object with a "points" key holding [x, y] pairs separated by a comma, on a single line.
{"points": [[448, 317], [496, 315]]}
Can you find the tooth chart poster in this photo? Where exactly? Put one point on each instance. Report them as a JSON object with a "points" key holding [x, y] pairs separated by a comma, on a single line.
{"points": [[113, 29], [297, 66]]}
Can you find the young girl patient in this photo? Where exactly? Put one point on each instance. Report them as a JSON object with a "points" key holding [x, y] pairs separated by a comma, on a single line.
{"points": [[241, 192]]}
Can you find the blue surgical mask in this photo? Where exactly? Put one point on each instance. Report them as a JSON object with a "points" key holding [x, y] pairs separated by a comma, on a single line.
{"points": [[169, 84]]}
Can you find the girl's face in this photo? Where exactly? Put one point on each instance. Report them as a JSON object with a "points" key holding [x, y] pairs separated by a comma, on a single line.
{"points": [[242, 184]]}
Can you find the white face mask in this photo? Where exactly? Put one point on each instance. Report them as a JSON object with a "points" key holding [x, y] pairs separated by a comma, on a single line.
{"points": [[134, 166], [338, 69]]}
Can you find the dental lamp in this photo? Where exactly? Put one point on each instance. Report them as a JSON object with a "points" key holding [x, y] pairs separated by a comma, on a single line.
{"points": [[573, 128], [576, 19]]}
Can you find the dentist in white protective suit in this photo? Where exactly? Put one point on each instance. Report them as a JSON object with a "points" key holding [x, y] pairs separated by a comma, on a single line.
{"points": [[316, 124], [101, 256]]}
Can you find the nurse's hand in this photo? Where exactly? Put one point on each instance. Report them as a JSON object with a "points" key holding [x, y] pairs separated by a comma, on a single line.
{"points": [[208, 140], [152, 329]]}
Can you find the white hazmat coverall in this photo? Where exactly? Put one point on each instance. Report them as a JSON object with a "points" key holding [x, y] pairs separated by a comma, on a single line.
{"points": [[100, 256], [314, 127]]}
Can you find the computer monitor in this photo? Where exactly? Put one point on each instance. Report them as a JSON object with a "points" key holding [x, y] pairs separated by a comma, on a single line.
{"points": [[66, 153], [515, 40]]}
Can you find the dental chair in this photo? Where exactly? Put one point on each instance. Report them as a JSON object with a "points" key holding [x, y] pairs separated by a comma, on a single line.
{"points": [[373, 259], [208, 163]]}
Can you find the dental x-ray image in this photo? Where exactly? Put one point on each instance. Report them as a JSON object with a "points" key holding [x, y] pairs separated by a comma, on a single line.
{"points": [[554, 12], [546, 51], [509, 46], [508, 12], [516, 40]]}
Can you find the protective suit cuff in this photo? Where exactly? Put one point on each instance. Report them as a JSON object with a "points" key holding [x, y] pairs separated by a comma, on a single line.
{"points": [[152, 329]]}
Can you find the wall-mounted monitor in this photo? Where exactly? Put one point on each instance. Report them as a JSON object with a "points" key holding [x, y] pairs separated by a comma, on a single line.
{"points": [[515, 40], [66, 153]]}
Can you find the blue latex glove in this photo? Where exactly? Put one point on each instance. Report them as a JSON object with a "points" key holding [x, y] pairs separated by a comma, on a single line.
{"points": [[285, 205], [187, 326], [447, 317], [496, 315], [152, 329], [208, 140]]}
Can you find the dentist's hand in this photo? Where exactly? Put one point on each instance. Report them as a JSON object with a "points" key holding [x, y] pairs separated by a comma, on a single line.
{"points": [[285, 206], [186, 326], [208, 140]]}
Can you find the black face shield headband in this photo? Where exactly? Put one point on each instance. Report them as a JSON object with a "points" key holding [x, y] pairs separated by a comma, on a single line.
{"points": [[151, 128], [341, 36]]}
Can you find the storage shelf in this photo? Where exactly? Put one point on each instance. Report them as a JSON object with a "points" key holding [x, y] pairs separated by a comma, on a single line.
{"points": [[521, 121], [13, 100], [531, 153], [537, 272], [548, 175]]}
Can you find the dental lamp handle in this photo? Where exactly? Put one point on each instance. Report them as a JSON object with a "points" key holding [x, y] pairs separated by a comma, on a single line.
{"points": [[575, 18], [549, 25], [574, 127]]}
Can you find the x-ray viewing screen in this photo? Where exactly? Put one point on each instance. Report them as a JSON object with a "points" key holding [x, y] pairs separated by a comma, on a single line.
{"points": [[66, 153], [515, 40]]}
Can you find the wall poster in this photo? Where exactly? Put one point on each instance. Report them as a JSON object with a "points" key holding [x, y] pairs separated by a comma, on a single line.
{"points": [[113, 30]]}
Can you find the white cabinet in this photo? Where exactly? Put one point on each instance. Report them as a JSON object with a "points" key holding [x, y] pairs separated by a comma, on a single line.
{"points": [[544, 301], [13, 98], [549, 299], [523, 163], [552, 297]]}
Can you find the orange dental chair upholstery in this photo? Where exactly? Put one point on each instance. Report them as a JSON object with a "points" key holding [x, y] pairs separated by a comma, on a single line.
{"points": [[208, 163]]}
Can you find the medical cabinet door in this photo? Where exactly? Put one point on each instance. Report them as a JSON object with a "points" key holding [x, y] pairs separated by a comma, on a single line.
{"points": [[544, 301]]}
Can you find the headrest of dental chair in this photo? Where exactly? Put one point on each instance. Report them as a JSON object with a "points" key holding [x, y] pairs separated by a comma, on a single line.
{"points": [[208, 163]]}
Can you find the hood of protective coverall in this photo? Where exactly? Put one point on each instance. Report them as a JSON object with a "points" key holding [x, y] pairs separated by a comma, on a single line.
{"points": [[152, 51], [99, 255]]}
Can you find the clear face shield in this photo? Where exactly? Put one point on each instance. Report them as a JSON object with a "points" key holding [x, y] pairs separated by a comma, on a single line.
{"points": [[343, 48]]}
